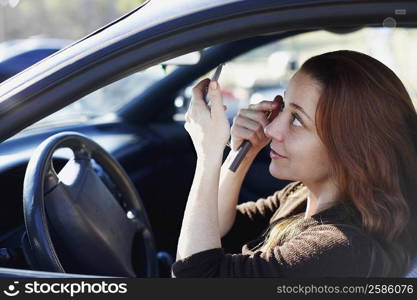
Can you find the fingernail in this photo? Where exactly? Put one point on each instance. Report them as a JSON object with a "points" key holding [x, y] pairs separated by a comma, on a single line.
{"points": [[213, 85]]}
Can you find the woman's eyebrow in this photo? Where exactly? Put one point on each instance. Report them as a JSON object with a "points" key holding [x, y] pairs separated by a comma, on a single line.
{"points": [[298, 107]]}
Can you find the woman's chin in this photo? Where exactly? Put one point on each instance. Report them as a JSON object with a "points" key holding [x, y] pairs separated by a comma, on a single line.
{"points": [[280, 172], [276, 171]]}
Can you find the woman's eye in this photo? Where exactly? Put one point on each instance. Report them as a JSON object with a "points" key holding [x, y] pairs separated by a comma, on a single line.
{"points": [[295, 117]]}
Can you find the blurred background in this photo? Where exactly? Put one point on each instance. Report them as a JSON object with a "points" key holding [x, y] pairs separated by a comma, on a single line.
{"points": [[64, 19], [266, 71], [32, 29]]}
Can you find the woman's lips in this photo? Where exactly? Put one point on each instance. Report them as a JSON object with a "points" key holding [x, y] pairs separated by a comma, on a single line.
{"points": [[275, 155]]}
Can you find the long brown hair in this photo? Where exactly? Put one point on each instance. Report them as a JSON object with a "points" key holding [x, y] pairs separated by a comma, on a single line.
{"points": [[367, 121]]}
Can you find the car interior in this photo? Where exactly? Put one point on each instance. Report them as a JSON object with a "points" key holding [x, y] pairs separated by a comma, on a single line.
{"points": [[145, 134]]}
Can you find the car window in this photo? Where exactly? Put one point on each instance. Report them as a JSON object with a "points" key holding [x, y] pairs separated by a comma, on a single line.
{"points": [[257, 75], [264, 72], [105, 100]]}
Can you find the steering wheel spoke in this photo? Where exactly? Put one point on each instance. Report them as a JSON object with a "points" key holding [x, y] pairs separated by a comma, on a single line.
{"points": [[51, 179], [73, 220]]}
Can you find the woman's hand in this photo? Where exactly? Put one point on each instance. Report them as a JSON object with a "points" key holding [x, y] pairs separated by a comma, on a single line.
{"points": [[249, 124], [209, 128]]}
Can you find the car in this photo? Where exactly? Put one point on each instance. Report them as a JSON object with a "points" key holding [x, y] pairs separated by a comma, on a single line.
{"points": [[102, 192], [17, 55]]}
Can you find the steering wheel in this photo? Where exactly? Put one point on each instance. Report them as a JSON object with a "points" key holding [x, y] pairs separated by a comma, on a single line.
{"points": [[76, 223]]}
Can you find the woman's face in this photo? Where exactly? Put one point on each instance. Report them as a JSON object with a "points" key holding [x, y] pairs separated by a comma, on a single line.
{"points": [[294, 135]]}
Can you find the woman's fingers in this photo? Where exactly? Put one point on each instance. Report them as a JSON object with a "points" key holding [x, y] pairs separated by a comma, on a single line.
{"points": [[258, 111], [279, 101], [240, 133], [255, 115], [197, 106], [210, 90], [263, 105], [254, 131], [215, 97], [242, 121], [249, 124], [199, 89]]}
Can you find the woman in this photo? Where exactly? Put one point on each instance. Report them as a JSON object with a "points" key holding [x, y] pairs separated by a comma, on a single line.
{"points": [[347, 138]]}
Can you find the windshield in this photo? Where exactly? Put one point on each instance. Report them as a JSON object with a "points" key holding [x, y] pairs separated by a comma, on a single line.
{"points": [[105, 100]]}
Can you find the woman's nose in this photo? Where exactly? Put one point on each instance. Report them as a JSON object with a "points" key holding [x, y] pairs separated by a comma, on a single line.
{"points": [[275, 129]]}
